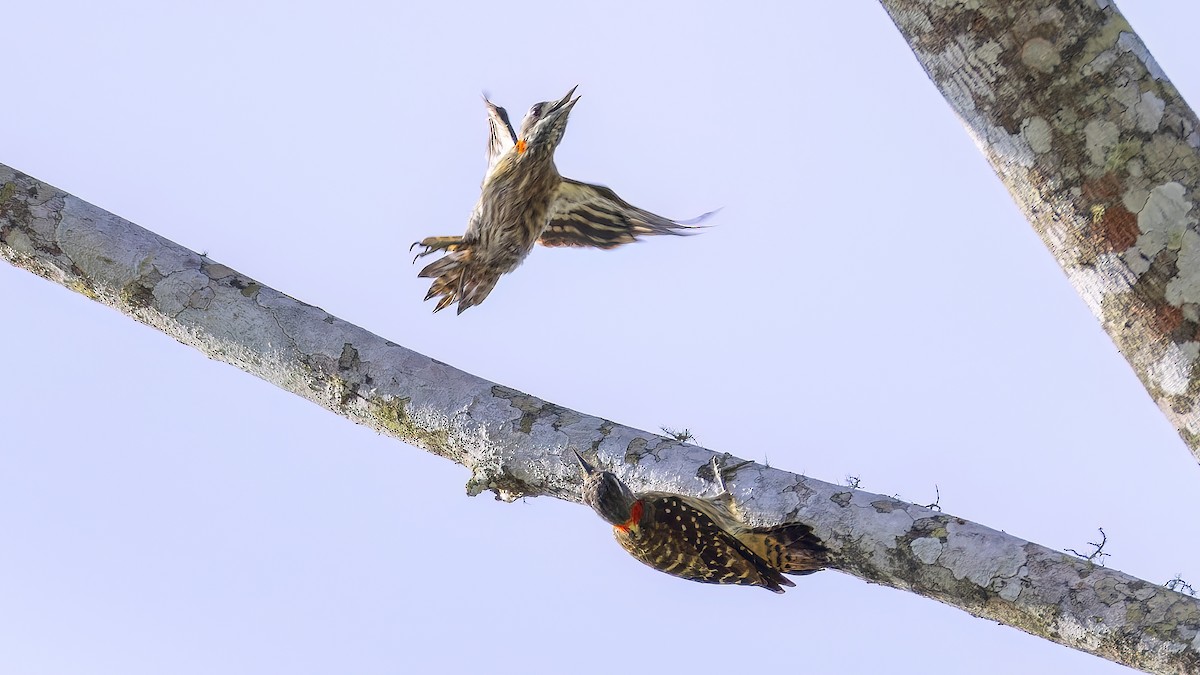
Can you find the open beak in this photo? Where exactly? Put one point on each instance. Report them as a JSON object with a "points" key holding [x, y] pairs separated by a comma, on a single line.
{"points": [[564, 104]]}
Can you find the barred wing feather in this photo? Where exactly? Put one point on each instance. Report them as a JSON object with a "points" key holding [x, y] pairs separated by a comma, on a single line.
{"points": [[582, 214]]}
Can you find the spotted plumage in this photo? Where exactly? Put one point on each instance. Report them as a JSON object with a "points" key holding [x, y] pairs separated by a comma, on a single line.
{"points": [[524, 201], [699, 539]]}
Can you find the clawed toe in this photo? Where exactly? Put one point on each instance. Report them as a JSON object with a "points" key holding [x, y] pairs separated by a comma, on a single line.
{"points": [[431, 244]]}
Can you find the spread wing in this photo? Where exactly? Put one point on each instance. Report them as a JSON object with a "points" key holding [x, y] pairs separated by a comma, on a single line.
{"points": [[501, 136], [593, 215]]}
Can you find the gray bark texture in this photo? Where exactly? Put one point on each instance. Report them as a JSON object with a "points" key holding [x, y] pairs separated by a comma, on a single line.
{"points": [[517, 445], [1101, 154]]}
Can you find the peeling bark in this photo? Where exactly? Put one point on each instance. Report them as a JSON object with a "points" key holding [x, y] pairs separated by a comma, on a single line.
{"points": [[514, 444], [1101, 154]]}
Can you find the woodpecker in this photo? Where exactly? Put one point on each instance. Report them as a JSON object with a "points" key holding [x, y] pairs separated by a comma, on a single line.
{"points": [[698, 538], [524, 201]]}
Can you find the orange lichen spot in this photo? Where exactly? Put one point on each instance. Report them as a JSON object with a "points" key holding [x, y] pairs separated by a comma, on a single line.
{"points": [[1114, 228], [1117, 227], [1169, 318], [1106, 189], [520, 147]]}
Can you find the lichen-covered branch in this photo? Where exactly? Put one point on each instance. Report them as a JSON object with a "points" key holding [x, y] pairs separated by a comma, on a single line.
{"points": [[515, 444], [1100, 152]]}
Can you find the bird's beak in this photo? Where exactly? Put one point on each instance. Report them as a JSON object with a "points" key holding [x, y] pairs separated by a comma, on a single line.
{"points": [[495, 110], [564, 104], [588, 469]]}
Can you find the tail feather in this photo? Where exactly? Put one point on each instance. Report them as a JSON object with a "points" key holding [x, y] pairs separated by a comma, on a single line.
{"points": [[458, 278], [791, 548]]}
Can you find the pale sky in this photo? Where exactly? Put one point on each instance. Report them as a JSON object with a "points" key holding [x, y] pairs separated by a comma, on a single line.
{"points": [[869, 302]]}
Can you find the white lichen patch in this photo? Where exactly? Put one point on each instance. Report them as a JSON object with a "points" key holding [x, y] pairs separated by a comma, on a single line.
{"points": [[1185, 287], [1148, 112], [1135, 198], [842, 506], [1144, 594], [1100, 63], [1130, 42], [20, 242], [1150, 243], [1038, 134], [1108, 274], [1127, 95], [1171, 372], [987, 55], [1010, 588], [759, 499], [973, 67], [927, 549], [174, 293], [1138, 264], [1040, 54], [1174, 158], [1013, 148], [1098, 137], [980, 555], [960, 95], [1163, 218], [956, 4]]}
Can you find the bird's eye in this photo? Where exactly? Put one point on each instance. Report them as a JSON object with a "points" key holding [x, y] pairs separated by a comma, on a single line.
{"points": [[536, 110]]}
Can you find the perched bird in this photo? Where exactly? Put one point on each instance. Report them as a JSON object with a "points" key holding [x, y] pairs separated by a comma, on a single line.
{"points": [[525, 201], [699, 539]]}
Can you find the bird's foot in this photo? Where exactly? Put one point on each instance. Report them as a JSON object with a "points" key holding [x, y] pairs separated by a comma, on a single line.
{"points": [[720, 470], [431, 244]]}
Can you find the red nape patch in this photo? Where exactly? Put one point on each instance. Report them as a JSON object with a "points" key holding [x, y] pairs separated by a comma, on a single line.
{"points": [[520, 147], [635, 515]]}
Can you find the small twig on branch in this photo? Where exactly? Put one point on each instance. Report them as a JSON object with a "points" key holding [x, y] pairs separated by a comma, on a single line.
{"points": [[1180, 586], [682, 435], [936, 505], [1096, 556]]}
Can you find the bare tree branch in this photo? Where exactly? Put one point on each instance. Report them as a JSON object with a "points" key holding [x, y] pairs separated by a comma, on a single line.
{"points": [[1099, 151], [514, 443]]}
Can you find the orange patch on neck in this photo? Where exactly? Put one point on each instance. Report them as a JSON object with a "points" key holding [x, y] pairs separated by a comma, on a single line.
{"points": [[520, 147], [635, 515]]}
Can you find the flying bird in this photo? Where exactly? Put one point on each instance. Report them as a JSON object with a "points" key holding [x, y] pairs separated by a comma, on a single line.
{"points": [[525, 201], [698, 538]]}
